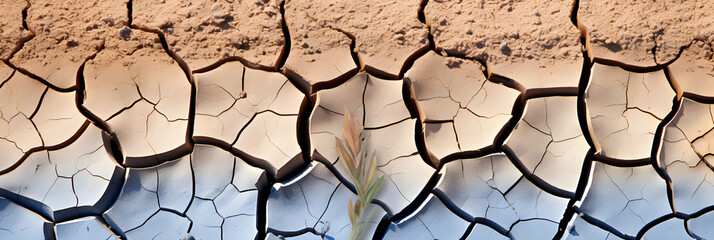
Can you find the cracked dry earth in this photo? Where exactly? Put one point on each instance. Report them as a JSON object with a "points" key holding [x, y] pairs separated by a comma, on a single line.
{"points": [[216, 119]]}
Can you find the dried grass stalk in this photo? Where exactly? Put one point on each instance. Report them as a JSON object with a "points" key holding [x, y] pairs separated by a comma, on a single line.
{"points": [[352, 154]]}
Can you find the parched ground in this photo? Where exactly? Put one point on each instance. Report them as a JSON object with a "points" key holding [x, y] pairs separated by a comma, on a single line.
{"points": [[216, 119]]}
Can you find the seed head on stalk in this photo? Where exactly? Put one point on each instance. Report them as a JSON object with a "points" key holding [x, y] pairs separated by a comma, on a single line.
{"points": [[353, 156]]}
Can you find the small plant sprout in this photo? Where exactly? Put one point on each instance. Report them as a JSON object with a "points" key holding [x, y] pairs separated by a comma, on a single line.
{"points": [[353, 156]]}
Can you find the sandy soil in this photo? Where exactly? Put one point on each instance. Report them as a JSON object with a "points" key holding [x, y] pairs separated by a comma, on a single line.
{"points": [[180, 119], [667, 25], [498, 31], [203, 32], [11, 30], [519, 39], [694, 70], [386, 33], [66, 34]]}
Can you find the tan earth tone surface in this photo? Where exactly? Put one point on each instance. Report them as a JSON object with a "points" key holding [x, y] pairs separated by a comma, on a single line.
{"points": [[518, 39], [615, 32], [203, 32], [218, 119], [13, 33], [386, 33], [315, 45], [66, 34]]}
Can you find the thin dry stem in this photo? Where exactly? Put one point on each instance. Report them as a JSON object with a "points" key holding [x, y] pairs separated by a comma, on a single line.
{"points": [[352, 154]]}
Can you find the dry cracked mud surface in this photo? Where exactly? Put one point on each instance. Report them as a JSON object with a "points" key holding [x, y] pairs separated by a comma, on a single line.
{"points": [[217, 119]]}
